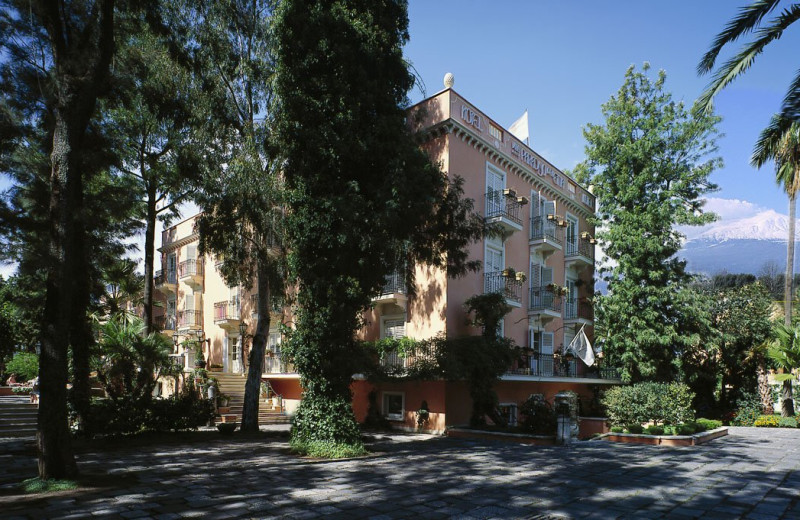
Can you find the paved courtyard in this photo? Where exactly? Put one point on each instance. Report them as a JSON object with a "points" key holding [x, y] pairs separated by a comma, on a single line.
{"points": [[752, 473]]}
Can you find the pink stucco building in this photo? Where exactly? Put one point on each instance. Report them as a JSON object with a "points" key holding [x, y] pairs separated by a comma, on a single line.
{"points": [[544, 267]]}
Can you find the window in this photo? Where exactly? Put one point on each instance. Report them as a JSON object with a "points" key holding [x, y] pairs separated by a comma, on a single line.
{"points": [[509, 411], [572, 234], [394, 405], [495, 132], [571, 187]]}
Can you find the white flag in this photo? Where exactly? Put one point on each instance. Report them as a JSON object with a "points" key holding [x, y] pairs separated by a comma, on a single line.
{"points": [[519, 128], [581, 347]]}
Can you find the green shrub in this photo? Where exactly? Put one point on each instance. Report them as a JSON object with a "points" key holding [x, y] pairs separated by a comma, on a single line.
{"points": [[684, 429], [655, 430], [634, 428], [25, 365], [537, 416], [788, 422], [697, 427], [748, 408], [709, 424], [617, 429], [22, 390], [327, 449], [185, 411], [670, 429], [767, 421], [668, 403]]}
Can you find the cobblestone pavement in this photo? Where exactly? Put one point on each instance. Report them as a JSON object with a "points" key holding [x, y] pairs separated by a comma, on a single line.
{"points": [[752, 473]]}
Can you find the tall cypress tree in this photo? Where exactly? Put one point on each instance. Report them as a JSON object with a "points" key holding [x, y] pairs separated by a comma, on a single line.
{"points": [[364, 199], [650, 163]]}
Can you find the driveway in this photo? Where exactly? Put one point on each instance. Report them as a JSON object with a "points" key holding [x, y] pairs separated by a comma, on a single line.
{"points": [[752, 473]]}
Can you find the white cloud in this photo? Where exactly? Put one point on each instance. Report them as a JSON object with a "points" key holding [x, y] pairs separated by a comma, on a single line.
{"points": [[729, 209]]}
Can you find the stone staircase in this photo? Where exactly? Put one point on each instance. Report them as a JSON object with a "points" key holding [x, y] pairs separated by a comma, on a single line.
{"points": [[233, 385], [18, 416]]}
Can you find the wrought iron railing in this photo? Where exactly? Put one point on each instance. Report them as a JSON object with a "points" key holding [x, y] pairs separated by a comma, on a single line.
{"points": [[190, 268], [509, 287], [190, 318], [579, 247], [394, 283], [277, 364], [578, 309], [165, 322], [227, 310], [500, 205], [161, 277], [542, 228], [550, 365], [544, 299]]}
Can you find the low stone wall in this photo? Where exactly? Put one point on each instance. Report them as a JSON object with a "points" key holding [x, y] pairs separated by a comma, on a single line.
{"points": [[667, 440], [588, 427]]}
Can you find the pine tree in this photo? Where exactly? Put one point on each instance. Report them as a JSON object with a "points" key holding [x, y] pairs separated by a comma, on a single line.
{"points": [[650, 164]]}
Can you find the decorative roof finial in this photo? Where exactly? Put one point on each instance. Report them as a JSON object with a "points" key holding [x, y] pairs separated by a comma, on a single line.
{"points": [[449, 80]]}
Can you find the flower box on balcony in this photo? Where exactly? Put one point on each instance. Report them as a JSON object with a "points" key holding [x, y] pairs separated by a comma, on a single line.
{"points": [[510, 193]]}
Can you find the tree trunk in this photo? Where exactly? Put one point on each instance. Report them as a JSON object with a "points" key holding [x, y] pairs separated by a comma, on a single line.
{"points": [[252, 388], [787, 408], [764, 390], [149, 256], [81, 337], [82, 44]]}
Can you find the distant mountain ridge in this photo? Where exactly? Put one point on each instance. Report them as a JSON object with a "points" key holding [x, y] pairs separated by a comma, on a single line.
{"points": [[740, 245]]}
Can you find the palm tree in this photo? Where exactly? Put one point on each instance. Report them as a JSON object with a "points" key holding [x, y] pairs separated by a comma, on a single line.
{"points": [[785, 352], [751, 20], [775, 140]]}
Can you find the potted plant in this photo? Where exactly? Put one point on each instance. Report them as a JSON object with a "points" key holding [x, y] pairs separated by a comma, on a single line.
{"points": [[520, 276], [508, 272], [510, 193], [199, 360], [215, 367]]}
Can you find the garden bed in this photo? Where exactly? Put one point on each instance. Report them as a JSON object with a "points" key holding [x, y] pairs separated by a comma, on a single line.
{"points": [[666, 440], [522, 438]]}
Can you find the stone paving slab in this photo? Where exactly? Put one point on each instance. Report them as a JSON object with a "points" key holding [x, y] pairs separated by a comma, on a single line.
{"points": [[752, 473]]}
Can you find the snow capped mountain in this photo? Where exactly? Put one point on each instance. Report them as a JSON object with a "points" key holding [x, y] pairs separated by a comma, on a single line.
{"points": [[766, 225], [743, 240]]}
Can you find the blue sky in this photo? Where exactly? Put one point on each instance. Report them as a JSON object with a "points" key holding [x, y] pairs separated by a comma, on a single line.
{"points": [[562, 60]]}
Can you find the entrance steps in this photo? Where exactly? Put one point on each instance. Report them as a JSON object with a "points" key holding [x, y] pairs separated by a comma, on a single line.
{"points": [[18, 417], [232, 385]]}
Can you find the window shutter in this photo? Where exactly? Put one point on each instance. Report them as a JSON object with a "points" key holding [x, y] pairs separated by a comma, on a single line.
{"points": [[547, 276], [547, 343]]}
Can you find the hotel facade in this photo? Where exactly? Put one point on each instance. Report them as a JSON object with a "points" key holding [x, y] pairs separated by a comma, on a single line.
{"points": [[543, 263]]}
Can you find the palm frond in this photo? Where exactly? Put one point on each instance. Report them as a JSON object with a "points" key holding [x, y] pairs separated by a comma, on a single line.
{"points": [[791, 102], [737, 65], [749, 17], [769, 140]]}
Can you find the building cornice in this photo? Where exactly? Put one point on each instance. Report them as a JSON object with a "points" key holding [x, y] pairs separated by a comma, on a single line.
{"points": [[511, 164], [176, 244]]}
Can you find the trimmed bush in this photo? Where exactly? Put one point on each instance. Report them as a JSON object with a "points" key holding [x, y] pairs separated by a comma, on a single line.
{"points": [[668, 403], [25, 365], [655, 430], [634, 428], [617, 429], [709, 424], [767, 421], [126, 416], [22, 390], [537, 416], [788, 422], [685, 429]]}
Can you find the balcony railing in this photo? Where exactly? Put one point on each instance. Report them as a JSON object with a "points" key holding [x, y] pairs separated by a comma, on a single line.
{"points": [[542, 229], [227, 310], [190, 268], [164, 322], [394, 283], [277, 365], [190, 319], [579, 247], [500, 205], [544, 299], [497, 283], [578, 309], [161, 277], [549, 365]]}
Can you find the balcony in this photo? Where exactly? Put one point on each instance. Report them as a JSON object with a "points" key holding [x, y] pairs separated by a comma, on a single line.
{"points": [[546, 235], [166, 324], [549, 365], [274, 363], [191, 273], [190, 320], [578, 311], [166, 281], [227, 314], [505, 283], [503, 208], [579, 253], [394, 290], [544, 303]]}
